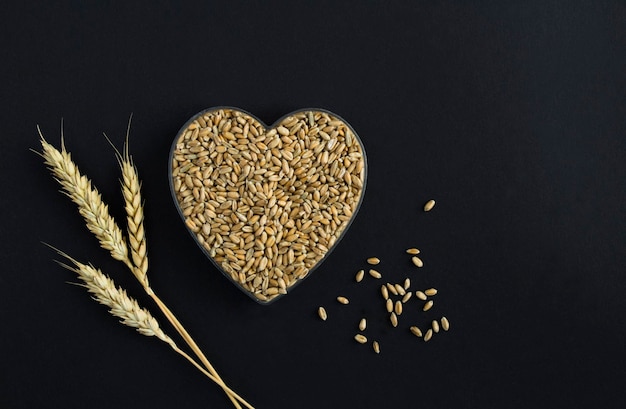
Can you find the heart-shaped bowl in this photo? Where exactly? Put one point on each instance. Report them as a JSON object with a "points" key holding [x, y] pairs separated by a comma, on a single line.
{"points": [[267, 205]]}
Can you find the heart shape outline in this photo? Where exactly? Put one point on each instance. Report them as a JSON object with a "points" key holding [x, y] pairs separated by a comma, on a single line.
{"points": [[267, 129]]}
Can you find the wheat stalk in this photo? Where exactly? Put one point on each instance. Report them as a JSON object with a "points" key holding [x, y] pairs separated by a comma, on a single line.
{"points": [[120, 305], [104, 291], [80, 189], [131, 191]]}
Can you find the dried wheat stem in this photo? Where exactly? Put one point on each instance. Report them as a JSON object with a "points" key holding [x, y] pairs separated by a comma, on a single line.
{"points": [[90, 205], [120, 304], [211, 377], [128, 310], [131, 190], [189, 340]]}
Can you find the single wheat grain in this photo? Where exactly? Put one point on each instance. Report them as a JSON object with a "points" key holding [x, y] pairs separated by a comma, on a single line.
{"points": [[420, 294], [435, 326], [373, 261], [343, 300], [394, 319], [445, 324], [428, 335], [416, 331], [321, 311], [417, 261]]}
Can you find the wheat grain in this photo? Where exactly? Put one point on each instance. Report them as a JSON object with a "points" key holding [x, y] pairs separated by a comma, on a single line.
{"points": [[430, 292], [359, 276], [428, 335], [360, 338], [343, 300], [375, 274], [416, 331], [362, 324], [417, 261], [398, 308], [394, 319], [429, 205], [428, 305], [420, 294], [376, 347], [321, 311], [373, 261], [435, 326], [412, 251], [445, 324]]}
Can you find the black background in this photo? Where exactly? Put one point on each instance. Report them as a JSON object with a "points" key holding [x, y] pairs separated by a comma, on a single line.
{"points": [[510, 114]]}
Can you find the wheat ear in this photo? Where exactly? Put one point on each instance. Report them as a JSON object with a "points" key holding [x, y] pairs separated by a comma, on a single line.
{"points": [[120, 305], [90, 205], [131, 190]]}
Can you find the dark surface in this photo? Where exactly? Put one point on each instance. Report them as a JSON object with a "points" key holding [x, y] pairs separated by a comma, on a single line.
{"points": [[511, 115]]}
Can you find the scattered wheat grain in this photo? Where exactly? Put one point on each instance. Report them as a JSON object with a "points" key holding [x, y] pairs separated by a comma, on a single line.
{"points": [[416, 331], [384, 292], [321, 311], [394, 319], [435, 326], [429, 205], [428, 335], [343, 300], [373, 261], [445, 324], [389, 305], [417, 261], [420, 294], [398, 308]]}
